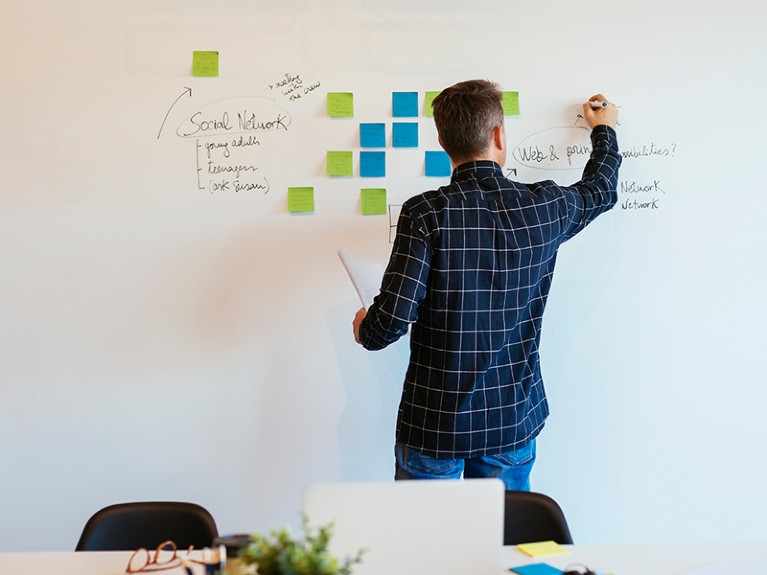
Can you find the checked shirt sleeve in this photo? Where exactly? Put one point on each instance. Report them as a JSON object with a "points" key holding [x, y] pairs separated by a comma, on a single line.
{"points": [[402, 289], [597, 191]]}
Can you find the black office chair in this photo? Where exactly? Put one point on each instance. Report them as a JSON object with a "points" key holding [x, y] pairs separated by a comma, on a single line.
{"points": [[531, 517], [128, 526]]}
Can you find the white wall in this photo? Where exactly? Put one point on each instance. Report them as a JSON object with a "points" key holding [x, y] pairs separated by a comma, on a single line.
{"points": [[162, 342]]}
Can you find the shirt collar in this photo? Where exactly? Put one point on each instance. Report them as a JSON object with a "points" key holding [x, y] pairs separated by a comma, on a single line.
{"points": [[476, 170]]}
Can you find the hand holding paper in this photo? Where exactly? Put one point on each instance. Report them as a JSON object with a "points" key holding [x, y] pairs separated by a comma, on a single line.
{"points": [[358, 317]]}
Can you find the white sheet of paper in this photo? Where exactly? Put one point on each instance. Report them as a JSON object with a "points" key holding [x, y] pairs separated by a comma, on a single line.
{"points": [[365, 275]]}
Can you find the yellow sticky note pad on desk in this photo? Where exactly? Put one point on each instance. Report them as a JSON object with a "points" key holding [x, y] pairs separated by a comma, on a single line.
{"points": [[542, 549]]}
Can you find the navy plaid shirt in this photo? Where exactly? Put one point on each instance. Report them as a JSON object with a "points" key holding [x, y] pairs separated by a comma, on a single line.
{"points": [[470, 269]]}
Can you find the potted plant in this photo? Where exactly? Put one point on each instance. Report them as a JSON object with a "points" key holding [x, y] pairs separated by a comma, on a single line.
{"points": [[279, 553]]}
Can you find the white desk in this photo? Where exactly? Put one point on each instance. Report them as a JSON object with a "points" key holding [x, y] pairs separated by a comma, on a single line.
{"points": [[734, 559], [728, 559]]}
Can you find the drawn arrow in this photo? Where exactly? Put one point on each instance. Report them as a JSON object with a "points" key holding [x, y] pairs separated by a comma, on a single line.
{"points": [[184, 93], [510, 171]]}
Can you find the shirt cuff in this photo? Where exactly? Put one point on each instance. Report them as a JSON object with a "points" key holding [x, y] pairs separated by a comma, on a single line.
{"points": [[603, 136]]}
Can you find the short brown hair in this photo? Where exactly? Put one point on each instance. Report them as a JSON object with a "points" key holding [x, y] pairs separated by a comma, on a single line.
{"points": [[466, 115]]}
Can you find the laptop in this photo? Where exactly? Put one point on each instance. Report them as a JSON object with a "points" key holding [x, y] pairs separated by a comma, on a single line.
{"points": [[413, 527]]}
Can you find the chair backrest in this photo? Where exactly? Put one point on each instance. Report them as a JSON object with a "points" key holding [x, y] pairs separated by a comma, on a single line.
{"points": [[128, 526], [530, 517]]}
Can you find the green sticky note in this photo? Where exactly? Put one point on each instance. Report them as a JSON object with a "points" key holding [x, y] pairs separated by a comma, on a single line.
{"points": [[510, 103], [205, 63], [300, 200], [427, 101], [339, 164], [340, 104], [373, 201]]}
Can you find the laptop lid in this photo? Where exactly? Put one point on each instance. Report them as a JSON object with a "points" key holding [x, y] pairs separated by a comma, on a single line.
{"points": [[416, 527]]}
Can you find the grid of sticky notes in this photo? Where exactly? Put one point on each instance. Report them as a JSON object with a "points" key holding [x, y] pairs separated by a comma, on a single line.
{"points": [[403, 129]]}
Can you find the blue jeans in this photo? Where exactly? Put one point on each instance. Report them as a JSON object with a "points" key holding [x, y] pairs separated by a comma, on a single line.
{"points": [[513, 467]]}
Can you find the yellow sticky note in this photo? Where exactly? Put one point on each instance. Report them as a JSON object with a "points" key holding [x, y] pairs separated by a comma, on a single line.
{"points": [[340, 104], [427, 101], [510, 103], [339, 164], [542, 549], [205, 63], [301, 200], [373, 201]]}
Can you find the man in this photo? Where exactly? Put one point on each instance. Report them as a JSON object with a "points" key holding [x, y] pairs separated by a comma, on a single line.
{"points": [[470, 269]]}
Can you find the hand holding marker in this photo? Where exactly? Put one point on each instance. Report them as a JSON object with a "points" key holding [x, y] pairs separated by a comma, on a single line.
{"points": [[599, 111]]}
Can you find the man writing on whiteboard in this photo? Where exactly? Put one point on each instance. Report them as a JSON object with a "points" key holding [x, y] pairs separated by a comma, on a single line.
{"points": [[470, 269]]}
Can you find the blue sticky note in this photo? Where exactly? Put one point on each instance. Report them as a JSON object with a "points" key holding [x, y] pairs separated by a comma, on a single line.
{"points": [[536, 569], [438, 164], [404, 104], [372, 136], [372, 164], [405, 134]]}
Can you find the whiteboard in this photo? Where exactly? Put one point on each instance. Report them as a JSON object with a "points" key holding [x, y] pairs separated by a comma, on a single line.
{"points": [[172, 331]]}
